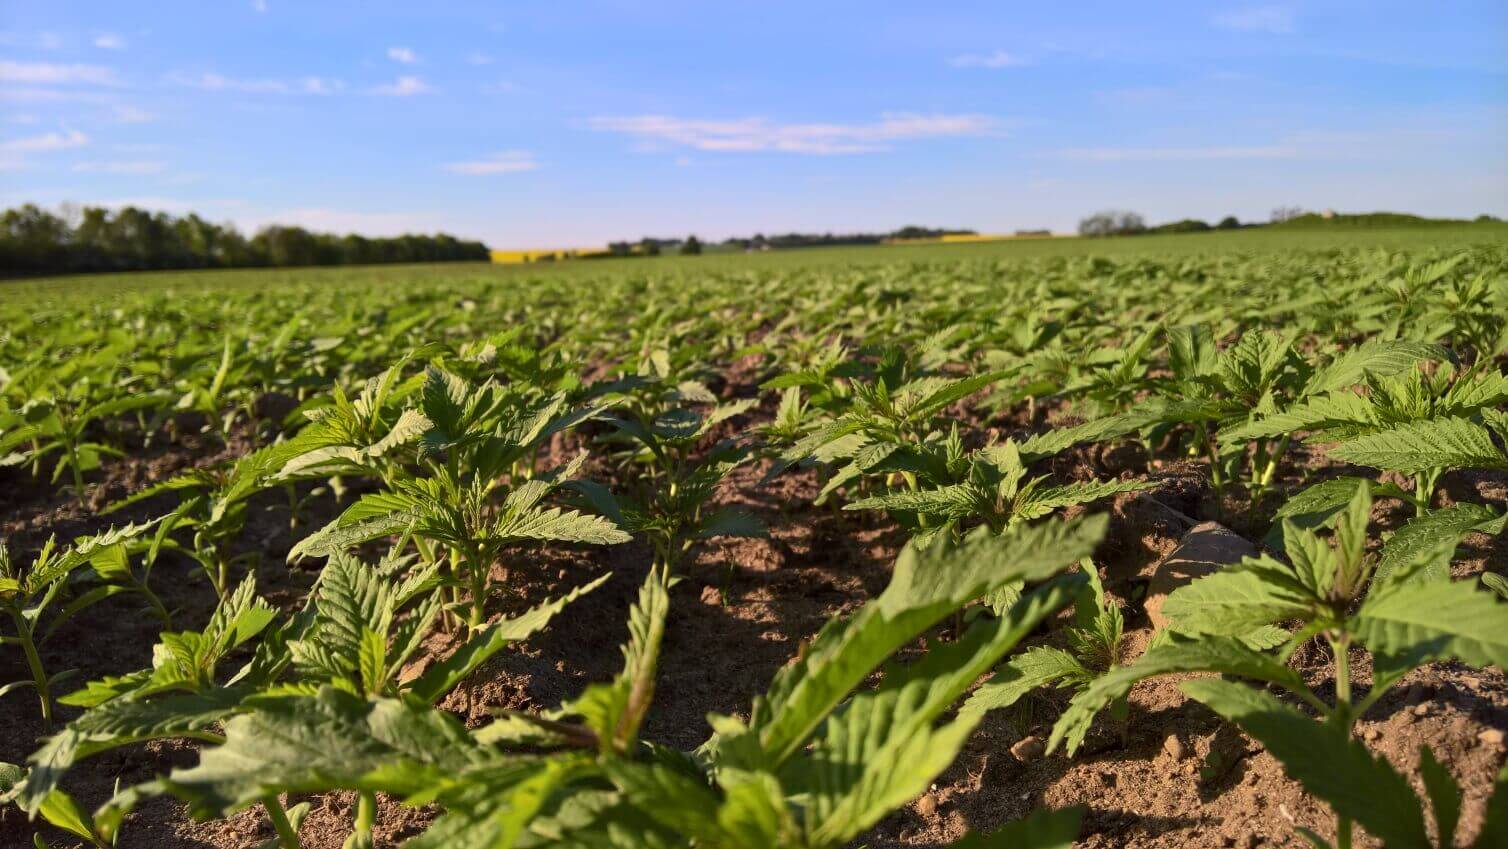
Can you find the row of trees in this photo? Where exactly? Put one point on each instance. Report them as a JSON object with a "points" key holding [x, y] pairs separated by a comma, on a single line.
{"points": [[649, 246], [75, 240], [783, 241], [1122, 223]]}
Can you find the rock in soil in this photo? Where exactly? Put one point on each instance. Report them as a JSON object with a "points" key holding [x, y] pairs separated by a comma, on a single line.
{"points": [[1028, 749], [1173, 746], [1207, 548]]}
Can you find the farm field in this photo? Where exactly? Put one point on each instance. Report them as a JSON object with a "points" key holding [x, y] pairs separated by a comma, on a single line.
{"points": [[1175, 541]]}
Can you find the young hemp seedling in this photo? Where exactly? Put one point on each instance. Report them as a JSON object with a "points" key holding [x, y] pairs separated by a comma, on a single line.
{"points": [[37, 601], [213, 504], [581, 774], [479, 444], [1416, 423], [361, 625], [668, 503], [60, 425], [1094, 650], [946, 488], [1411, 615]]}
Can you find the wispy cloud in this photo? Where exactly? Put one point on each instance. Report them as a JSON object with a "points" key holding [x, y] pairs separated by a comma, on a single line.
{"points": [[109, 41], [403, 87], [321, 85], [759, 135], [218, 82], [133, 115], [13, 152], [45, 143], [132, 168], [47, 73], [33, 94], [1141, 96], [1276, 20], [1172, 154], [506, 162], [997, 59], [402, 55], [479, 59], [259, 6], [40, 41]]}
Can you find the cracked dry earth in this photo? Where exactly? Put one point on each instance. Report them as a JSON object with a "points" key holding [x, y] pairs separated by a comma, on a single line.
{"points": [[1177, 778]]}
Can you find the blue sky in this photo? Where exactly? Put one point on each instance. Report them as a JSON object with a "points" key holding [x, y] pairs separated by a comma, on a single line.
{"points": [[570, 123]]}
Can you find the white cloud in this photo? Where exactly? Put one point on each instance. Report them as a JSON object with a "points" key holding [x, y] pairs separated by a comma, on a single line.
{"points": [[121, 168], [479, 59], [507, 162], [1276, 20], [13, 151], [759, 135], [41, 41], [320, 85], [109, 41], [403, 87], [45, 143], [132, 115], [46, 73], [1171, 154], [28, 94], [218, 82], [997, 59], [402, 55], [259, 6]]}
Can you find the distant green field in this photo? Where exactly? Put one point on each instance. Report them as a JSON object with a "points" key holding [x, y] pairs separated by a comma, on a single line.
{"points": [[1248, 242]]}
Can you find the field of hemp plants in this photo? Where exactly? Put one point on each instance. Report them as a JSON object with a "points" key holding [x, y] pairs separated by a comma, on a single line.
{"points": [[1195, 542]]}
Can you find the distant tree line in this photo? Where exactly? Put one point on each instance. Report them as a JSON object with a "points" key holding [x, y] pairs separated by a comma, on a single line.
{"points": [[1123, 223], [76, 240], [813, 240], [649, 246]]}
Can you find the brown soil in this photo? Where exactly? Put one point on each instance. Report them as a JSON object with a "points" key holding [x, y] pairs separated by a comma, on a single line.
{"points": [[818, 563]]}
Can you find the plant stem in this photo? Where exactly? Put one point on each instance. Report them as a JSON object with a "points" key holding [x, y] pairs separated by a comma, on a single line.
{"points": [[366, 817], [1341, 646], [156, 603], [1424, 490], [78, 476], [287, 837], [34, 661], [1217, 475], [478, 575]]}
